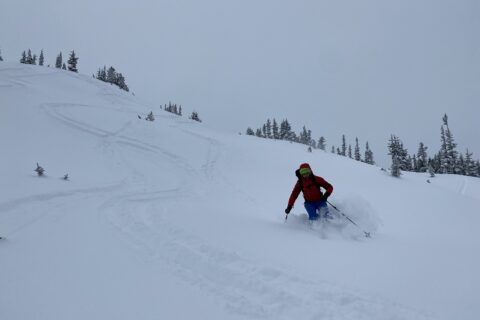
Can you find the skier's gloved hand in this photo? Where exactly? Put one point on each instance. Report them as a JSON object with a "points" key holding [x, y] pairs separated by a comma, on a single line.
{"points": [[289, 208], [325, 196]]}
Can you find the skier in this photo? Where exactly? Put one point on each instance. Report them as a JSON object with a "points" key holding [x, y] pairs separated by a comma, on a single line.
{"points": [[310, 185]]}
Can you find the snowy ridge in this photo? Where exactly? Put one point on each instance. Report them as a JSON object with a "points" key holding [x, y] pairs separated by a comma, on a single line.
{"points": [[169, 219]]}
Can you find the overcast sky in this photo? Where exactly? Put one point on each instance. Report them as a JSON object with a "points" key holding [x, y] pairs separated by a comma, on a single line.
{"points": [[366, 68]]}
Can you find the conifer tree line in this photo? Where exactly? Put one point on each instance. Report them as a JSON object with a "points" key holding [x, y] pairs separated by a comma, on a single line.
{"points": [[28, 58], [111, 76], [173, 108], [177, 109], [447, 160], [272, 130]]}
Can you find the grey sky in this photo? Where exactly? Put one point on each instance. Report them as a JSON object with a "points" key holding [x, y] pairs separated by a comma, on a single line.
{"points": [[361, 68]]}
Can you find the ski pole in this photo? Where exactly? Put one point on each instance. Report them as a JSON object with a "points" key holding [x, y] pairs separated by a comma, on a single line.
{"points": [[367, 234]]}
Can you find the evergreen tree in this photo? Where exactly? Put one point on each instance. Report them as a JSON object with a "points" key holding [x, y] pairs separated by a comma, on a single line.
{"points": [[64, 66], [358, 157], [34, 59], [258, 133], [350, 151], [120, 82], [250, 132], [150, 117], [111, 76], [461, 165], [102, 74], [344, 146], [321, 143], [268, 129], [72, 62], [1, 59], [59, 61], [431, 171], [368, 155], [275, 129], [24, 57], [305, 136], [41, 59], [195, 117], [29, 57], [422, 164], [469, 166], [39, 170], [395, 168], [399, 153], [284, 128], [288, 135], [414, 163], [452, 154]]}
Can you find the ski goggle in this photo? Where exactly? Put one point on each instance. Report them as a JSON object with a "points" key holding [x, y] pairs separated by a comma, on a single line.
{"points": [[305, 171]]}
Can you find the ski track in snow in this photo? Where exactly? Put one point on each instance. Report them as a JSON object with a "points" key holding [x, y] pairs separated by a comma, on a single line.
{"points": [[246, 289], [243, 287]]}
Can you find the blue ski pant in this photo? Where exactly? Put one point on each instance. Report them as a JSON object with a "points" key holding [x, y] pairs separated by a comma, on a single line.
{"points": [[314, 206]]}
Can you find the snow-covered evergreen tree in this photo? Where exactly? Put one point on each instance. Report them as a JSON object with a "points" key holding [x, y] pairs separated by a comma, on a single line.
{"points": [[150, 117], [194, 116], [111, 75], [305, 136], [399, 153], [41, 59], [1, 58], [59, 61], [368, 155], [395, 168], [268, 129], [72, 62], [120, 82], [321, 143], [29, 57], [250, 132], [102, 74], [23, 59], [452, 154], [64, 66], [422, 164], [275, 130], [39, 170], [350, 151], [344, 146], [431, 171], [258, 133], [358, 157], [469, 165]]}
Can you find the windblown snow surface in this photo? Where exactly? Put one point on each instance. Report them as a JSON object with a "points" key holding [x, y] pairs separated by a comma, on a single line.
{"points": [[172, 220]]}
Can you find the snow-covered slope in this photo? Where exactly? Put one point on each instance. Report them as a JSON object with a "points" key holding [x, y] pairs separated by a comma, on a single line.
{"points": [[172, 220]]}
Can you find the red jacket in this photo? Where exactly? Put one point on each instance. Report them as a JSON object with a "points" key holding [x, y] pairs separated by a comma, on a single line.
{"points": [[311, 192]]}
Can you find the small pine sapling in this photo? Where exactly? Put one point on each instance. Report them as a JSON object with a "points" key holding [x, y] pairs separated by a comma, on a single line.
{"points": [[150, 117], [40, 171], [195, 117]]}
